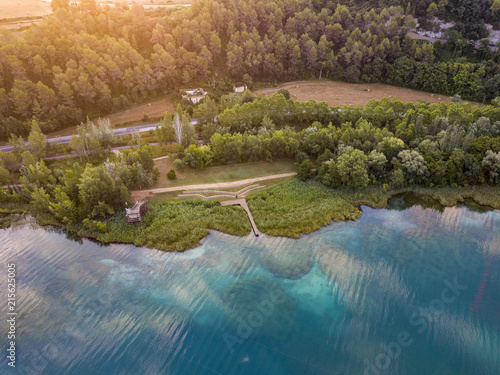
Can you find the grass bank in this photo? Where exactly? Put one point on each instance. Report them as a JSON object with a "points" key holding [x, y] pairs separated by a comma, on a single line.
{"points": [[290, 208], [293, 208], [172, 226]]}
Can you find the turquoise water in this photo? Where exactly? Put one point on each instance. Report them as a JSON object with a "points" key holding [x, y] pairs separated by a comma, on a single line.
{"points": [[413, 291]]}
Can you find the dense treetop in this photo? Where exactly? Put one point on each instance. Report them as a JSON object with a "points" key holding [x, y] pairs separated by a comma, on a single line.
{"points": [[87, 60]]}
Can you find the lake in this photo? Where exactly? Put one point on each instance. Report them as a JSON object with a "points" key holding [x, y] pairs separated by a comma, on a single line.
{"points": [[406, 290]]}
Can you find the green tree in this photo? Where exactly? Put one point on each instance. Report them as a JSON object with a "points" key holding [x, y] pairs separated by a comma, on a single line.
{"points": [[40, 199], [377, 163], [145, 153], [305, 170], [413, 165], [206, 112], [156, 174], [491, 165], [5, 177], [142, 180], [329, 174], [352, 168], [63, 208], [99, 193], [18, 145], [397, 178], [495, 6], [165, 131], [391, 147], [37, 141], [37, 175]]}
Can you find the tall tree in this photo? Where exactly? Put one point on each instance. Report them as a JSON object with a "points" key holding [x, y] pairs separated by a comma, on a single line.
{"points": [[37, 141]]}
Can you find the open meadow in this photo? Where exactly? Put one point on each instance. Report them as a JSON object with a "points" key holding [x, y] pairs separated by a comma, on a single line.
{"points": [[223, 173], [24, 8], [153, 110], [342, 93]]}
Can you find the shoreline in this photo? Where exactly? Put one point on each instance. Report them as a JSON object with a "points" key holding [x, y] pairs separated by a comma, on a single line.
{"points": [[321, 208]]}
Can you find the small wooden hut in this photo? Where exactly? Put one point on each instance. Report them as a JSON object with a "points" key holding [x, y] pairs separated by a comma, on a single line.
{"points": [[135, 213]]}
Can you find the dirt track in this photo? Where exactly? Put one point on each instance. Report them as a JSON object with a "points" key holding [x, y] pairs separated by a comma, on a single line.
{"points": [[141, 194], [358, 94]]}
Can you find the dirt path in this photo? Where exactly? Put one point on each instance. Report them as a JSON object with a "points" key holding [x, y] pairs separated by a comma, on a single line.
{"points": [[141, 194]]}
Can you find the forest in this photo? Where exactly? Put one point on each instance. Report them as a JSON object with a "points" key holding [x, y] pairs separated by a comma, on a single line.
{"points": [[387, 144], [88, 60]]}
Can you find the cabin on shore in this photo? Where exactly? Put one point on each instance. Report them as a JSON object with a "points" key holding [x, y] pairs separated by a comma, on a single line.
{"points": [[135, 213]]}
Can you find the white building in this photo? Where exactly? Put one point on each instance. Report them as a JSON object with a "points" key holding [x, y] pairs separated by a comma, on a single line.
{"points": [[195, 95], [240, 88]]}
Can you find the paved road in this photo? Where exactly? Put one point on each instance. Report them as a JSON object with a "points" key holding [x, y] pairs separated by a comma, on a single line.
{"points": [[139, 194], [119, 131]]}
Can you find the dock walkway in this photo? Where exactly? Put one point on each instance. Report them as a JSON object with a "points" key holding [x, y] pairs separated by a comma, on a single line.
{"points": [[243, 203]]}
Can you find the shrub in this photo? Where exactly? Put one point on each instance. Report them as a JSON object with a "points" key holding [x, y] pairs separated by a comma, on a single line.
{"points": [[304, 170], [156, 174], [171, 174], [285, 93], [179, 164], [95, 226]]}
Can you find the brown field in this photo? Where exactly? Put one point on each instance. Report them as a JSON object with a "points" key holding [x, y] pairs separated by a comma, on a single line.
{"points": [[40, 8], [154, 110], [340, 93], [146, 2], [130, 116], [24, 8]]}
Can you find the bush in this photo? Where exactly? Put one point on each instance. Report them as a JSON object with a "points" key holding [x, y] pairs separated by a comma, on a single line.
{"points": [[179, 164], [171, 174], [304, 170], [163, 150], [156, 174], [285, 93], [95, 226]]}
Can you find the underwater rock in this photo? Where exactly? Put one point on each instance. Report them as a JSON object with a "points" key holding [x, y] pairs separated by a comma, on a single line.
{"points": [[376, 242], [57, 287], [259, 306], [287, 260], [348, 234], [332, 260]]}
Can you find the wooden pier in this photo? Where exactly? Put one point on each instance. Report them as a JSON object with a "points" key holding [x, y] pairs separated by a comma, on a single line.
{"points": [[243, 203]]}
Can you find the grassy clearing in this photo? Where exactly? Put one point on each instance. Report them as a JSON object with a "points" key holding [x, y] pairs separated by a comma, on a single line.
{"points": [[166, 197], [154, 110], [343, 93], [225, 173]]}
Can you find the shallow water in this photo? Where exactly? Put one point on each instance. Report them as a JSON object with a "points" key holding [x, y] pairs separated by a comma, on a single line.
{"points": [[412, 291]]}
